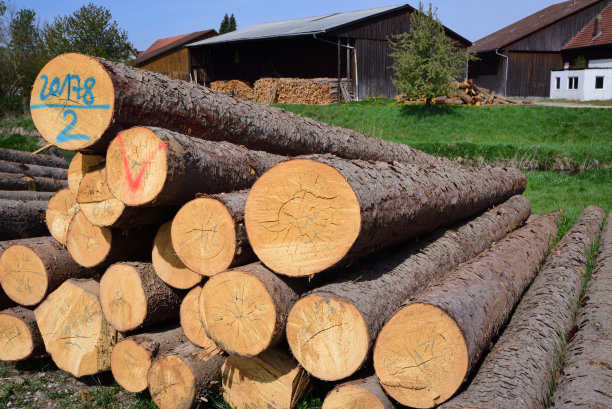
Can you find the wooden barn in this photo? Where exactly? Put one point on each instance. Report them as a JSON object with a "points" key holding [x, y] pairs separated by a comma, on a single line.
{"points": [[351, 45], [170, 56], [517, 60]]}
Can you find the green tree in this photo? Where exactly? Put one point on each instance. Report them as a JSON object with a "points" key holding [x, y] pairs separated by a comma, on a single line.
{"points": [[224, 28], [232, 23], [89, 30], [425, 60]]}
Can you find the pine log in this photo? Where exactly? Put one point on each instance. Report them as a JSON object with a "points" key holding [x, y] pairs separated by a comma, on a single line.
{"points": [[60, 210], [22, 219], [19, 335], [360, 393], [208, 233], [587, 371], [517, 372], [94, 246], [75, 332], [465, 97], [365, 296], [43, 184], [166, 263], [32, 268], [32, 158], [244, 310], [272, 379], [132, 357], [306, 215], [79, 166], [124, 97], [490, 98], [14, 181], [25, 195], [153, 166], [32, 170], [428, 347], [134, 297], [182, 377], [192, 324]]}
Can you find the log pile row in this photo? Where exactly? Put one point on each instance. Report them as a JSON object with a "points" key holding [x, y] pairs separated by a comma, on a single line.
{"points": [[306, 91], [186, 263], [234, 88]]}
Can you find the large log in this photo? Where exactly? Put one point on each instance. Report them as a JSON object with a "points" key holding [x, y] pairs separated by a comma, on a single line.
{"points": [[428, 347], [25, 195], [208, 233], [192, 324], [19, 335], [166, 263], [14, 181], [132, 357], [182, 377], [118, 97], [587, 371], [358, 393], [272, 379], [365, 296], [153, 166], [32, 170], [22, 219], [32, 158], [60, 210], [81, 163], [306, 215], [75, 332], [517, 372]]}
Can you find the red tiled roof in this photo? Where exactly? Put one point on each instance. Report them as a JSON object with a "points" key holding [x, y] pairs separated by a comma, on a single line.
{"points": [[162, 42], [166, 44], [530, 24], [585, 37]]}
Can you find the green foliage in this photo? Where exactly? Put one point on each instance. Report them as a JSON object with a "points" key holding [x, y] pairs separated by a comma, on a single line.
{"points": [[425, 59], [228, 24], [232, 23]]}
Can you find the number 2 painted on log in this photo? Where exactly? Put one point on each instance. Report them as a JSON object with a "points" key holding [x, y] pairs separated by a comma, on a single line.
{"points": [[64, 136]]}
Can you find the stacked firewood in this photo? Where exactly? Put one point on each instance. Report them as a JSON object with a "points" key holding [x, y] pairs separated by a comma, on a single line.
{"points": [[234, 88], [307, 91], [208, 242]]}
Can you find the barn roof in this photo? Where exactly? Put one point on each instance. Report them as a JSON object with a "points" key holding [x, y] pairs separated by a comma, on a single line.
{"points": [[530, 25], [166, 44], [304, 26], [585, 38]]}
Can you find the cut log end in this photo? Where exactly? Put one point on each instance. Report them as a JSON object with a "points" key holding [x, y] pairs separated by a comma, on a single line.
{"points": [[204, 236], [122, 297], [191, 322], [88, 245], [130, 362], [16, 338], [172, 383], [136, 166], [72, 101], [167, 264], [328, 336], [97, 202], [351, 396], [79, 165], [23, 275], [60, 210], [302, 217], [421, 356]]}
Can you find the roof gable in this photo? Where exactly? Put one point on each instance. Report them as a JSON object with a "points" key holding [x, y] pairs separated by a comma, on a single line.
{"points": [[164, 45], [585, 37]]}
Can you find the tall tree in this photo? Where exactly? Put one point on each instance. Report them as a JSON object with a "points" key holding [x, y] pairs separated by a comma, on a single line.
{"points": [[224, 28], [232, 23], [426, 60]]}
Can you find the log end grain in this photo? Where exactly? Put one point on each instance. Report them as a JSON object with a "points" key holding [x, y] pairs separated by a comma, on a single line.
{"points": [[421, 356], [328, 336], [130, 362], [88, 245], [351, 396], [82, 81], [302, 217], [98, 204], [136, 166], [79, 165], [167, 264], [23, 275], [123, 300], [60, 210], [19, 335], [204, 236], [191, 322]]}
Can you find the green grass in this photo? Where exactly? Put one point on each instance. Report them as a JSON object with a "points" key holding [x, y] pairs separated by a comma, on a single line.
{"points": [[19, 142], [17, 122]]}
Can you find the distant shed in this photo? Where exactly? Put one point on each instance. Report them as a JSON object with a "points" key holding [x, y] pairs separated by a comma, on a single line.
{"points": [[351, 44]]}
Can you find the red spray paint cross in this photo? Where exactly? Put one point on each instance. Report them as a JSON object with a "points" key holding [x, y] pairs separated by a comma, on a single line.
{"points": [[134, 183]]}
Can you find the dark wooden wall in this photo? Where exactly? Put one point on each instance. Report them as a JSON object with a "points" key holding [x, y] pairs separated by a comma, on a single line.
{"points": [[529, 73]]}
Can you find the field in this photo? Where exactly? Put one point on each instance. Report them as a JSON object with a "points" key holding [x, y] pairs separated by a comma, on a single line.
{"points": [[566, 154]]}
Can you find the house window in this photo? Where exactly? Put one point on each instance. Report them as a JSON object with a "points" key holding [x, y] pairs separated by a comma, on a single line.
{"points": [[558, 83], [572, 83], [599, 82]]}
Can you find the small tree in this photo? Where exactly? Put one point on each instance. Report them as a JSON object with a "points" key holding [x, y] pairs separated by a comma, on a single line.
{"points": [[232, 23], [224, 28], [426, 60]]}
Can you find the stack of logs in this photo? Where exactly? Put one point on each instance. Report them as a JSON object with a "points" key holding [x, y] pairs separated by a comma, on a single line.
{"points": [[247, 248], [234, 88]]}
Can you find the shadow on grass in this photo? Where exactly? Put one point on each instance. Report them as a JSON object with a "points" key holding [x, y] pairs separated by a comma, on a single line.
{"points": [[422, 111]]}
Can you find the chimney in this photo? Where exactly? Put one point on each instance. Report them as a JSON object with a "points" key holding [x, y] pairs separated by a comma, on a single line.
{"points": [[597, 28]]}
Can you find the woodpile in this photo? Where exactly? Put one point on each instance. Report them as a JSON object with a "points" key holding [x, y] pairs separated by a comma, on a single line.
{"points": [[305, 91], [234, 88], [181, 261]]}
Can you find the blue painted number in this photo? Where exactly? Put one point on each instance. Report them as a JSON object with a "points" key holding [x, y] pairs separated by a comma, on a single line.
{"points": [[64, 136]]}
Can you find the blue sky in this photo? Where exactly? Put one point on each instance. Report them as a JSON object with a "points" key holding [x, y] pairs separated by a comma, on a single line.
{"points": [[148, 20]]}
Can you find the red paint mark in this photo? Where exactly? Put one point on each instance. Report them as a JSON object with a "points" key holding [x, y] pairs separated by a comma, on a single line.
{"points": [[134, 183]]}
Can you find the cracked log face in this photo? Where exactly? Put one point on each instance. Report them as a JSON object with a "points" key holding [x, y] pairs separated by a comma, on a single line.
{"points": [[89, 245], [75, 332], [314, 326], [23, 275], [192, 324], [19, 335], [302, 217], [204, 236], [72, 101], [168, 265], [60, 210], [97, 202], [79, 166]]}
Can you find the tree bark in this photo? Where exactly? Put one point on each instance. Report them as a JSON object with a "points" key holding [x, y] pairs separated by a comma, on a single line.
{"points": [[32, 268], [167, 265], [5, 301], [170, 168], [192, 324], [306, 215], [25, 195], [32, 158], [428, 347], [365, 296], [22, 219], [358, 393], [517, 372], [134, 297], [19, 335], [132, 357], [33, 170], [587, 371], [60, 210], [13, 181], [208, 233], [79, 166]]}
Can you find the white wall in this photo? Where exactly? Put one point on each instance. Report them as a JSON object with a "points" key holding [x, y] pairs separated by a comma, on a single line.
{"points": [[586, 84]]}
